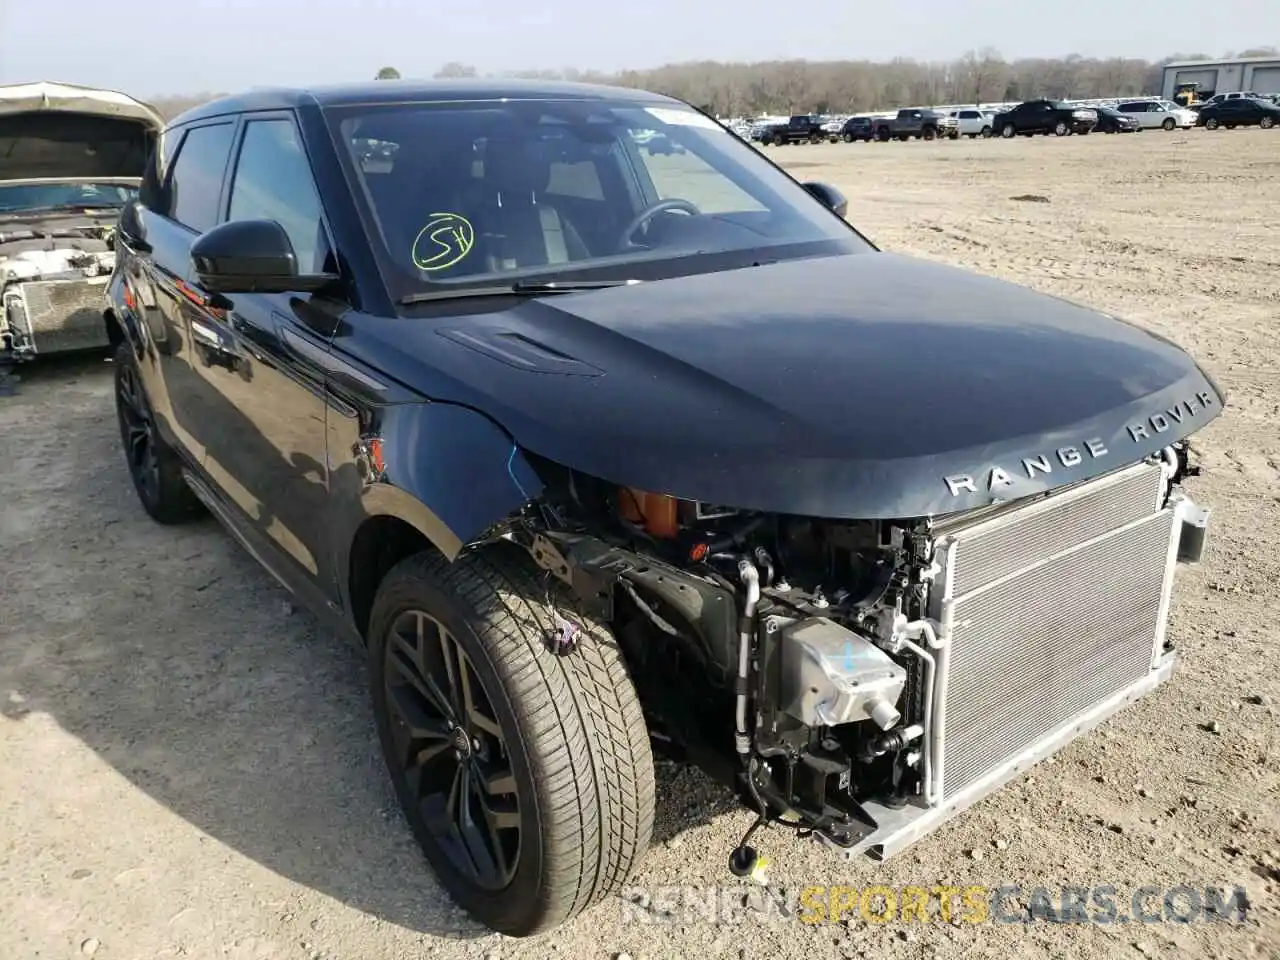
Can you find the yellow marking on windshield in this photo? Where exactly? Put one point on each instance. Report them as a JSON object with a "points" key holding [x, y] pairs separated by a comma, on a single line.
{"points": [[444, 241]]}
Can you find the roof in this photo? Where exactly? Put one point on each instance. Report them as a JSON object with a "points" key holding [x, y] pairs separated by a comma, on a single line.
{"points": [[414, 91], [1221, 63], [74, 98]]}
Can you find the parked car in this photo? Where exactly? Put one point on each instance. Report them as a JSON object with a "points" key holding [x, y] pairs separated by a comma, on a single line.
{"points": [[1111, 120], [1044, 116], [556, 443], [70, 158], [802, 128], [1158, 114], [917, 123], [1240, 112], [857, 128], [973, 123]]}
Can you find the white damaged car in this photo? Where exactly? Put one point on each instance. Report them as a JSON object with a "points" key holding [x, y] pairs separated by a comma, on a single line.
{"points": [[70, 158]]}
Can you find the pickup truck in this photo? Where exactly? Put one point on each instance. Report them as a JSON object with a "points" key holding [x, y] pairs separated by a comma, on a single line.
{"points": [[802, 128], [920, 123]]}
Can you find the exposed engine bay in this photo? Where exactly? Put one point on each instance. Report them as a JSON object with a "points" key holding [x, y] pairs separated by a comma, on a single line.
{"points": [[863, 680], [53, 273]]}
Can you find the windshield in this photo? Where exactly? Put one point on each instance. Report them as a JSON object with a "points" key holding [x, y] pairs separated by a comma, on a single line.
{"points": [[481, 191], [15, 198]]}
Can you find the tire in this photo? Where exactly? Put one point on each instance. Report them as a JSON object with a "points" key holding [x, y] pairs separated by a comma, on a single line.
{"points": [[1169, 124], [985, 133], [1061, 129], [571, 741], [882, 134], [1211, 123], [847, 137], [929, 133], [1267, 122], [1007, 131], [154, 467]]}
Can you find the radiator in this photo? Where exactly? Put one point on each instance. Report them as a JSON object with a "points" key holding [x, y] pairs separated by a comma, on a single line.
{"points": [[54, 316], [1049, 609]]}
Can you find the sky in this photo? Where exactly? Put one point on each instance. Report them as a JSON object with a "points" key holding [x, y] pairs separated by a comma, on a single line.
{"points": [[160, 47]]}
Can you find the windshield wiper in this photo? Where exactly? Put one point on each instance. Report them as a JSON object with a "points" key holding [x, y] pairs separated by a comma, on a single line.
{"points": [[520, 288]]}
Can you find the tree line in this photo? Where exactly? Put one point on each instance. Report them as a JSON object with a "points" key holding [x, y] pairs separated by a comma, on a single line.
{"points": [[848, 86]]}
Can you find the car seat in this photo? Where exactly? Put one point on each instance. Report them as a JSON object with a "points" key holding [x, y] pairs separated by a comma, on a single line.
{"points": [[521, 225]]}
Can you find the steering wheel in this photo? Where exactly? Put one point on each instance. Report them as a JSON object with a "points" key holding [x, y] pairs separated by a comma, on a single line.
{"points": [[651, 211]]}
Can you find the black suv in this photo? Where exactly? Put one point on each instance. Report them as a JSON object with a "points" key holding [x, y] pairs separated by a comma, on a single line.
{"points": [[1044, 116], [534, 415]]}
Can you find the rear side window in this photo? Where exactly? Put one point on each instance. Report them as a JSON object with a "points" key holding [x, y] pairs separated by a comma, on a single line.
{"points": [[273, 181], [196, 179]]}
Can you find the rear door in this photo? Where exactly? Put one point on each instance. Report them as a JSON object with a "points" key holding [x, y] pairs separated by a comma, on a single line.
{"points": [[265, 431], [185, 206]]}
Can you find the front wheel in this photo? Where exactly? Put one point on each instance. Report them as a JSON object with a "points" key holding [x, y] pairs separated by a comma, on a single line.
{"points": [[1211, 123], [525, 774], [1060, 129], [1169, 123], [1007, 132], [985, 133]]}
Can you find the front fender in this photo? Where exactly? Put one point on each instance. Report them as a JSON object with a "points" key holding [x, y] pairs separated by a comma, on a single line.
{"points": [[445, 469]]}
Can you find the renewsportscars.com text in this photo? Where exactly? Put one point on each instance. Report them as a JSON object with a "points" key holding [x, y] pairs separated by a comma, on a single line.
{"points": [[1101, 904]]}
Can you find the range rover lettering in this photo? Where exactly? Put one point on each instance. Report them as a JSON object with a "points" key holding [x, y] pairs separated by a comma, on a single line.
{"points": [[532, 414]]}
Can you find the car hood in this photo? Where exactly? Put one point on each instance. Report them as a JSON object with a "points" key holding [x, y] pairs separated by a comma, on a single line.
{"points": [[65, 131], [868, 385]]}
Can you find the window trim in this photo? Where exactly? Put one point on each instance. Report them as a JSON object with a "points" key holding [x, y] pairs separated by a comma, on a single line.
{"points": [[167, 183], [233, 167]]}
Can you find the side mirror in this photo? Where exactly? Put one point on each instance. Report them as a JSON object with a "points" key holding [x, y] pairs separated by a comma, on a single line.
{"points": [[251, 256], [130, 227], [829, 196]]}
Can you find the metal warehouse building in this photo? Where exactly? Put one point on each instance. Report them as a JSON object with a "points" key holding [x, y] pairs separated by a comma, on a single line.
{"points": [[1259, 74]]}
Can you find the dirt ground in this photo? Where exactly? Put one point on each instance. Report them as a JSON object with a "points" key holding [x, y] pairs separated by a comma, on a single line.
{"points": [[190, 767]]}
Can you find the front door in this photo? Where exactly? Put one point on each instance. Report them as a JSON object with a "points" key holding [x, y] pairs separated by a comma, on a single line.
{"points": [[265, 441], [186, 205]]}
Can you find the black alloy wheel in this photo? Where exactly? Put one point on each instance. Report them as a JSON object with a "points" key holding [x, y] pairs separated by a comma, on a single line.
{"points": [[137, 433], [452, 750], [154, 467]]}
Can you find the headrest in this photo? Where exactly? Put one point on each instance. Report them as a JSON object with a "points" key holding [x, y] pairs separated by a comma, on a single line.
{"points": [[516, 167]]}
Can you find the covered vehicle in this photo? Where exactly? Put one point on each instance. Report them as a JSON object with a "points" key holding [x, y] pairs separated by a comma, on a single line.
{"points": [[70, 158], [539, 418]]}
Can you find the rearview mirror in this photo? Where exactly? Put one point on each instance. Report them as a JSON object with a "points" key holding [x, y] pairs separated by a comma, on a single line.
{"points": [[829, 196], [250, 256]]}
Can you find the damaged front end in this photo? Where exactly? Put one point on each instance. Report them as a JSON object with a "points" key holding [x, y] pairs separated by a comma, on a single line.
{"points": [[863, 681], [71, 157]]}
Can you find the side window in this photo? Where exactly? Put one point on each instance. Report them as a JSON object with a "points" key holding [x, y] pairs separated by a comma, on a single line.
{"points": [[195, 180], [680, 174], [273, 181]]}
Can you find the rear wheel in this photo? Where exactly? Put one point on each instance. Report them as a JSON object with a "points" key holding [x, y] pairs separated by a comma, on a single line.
{"points": [[525, 774], [928, 133], [154, 467]]}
